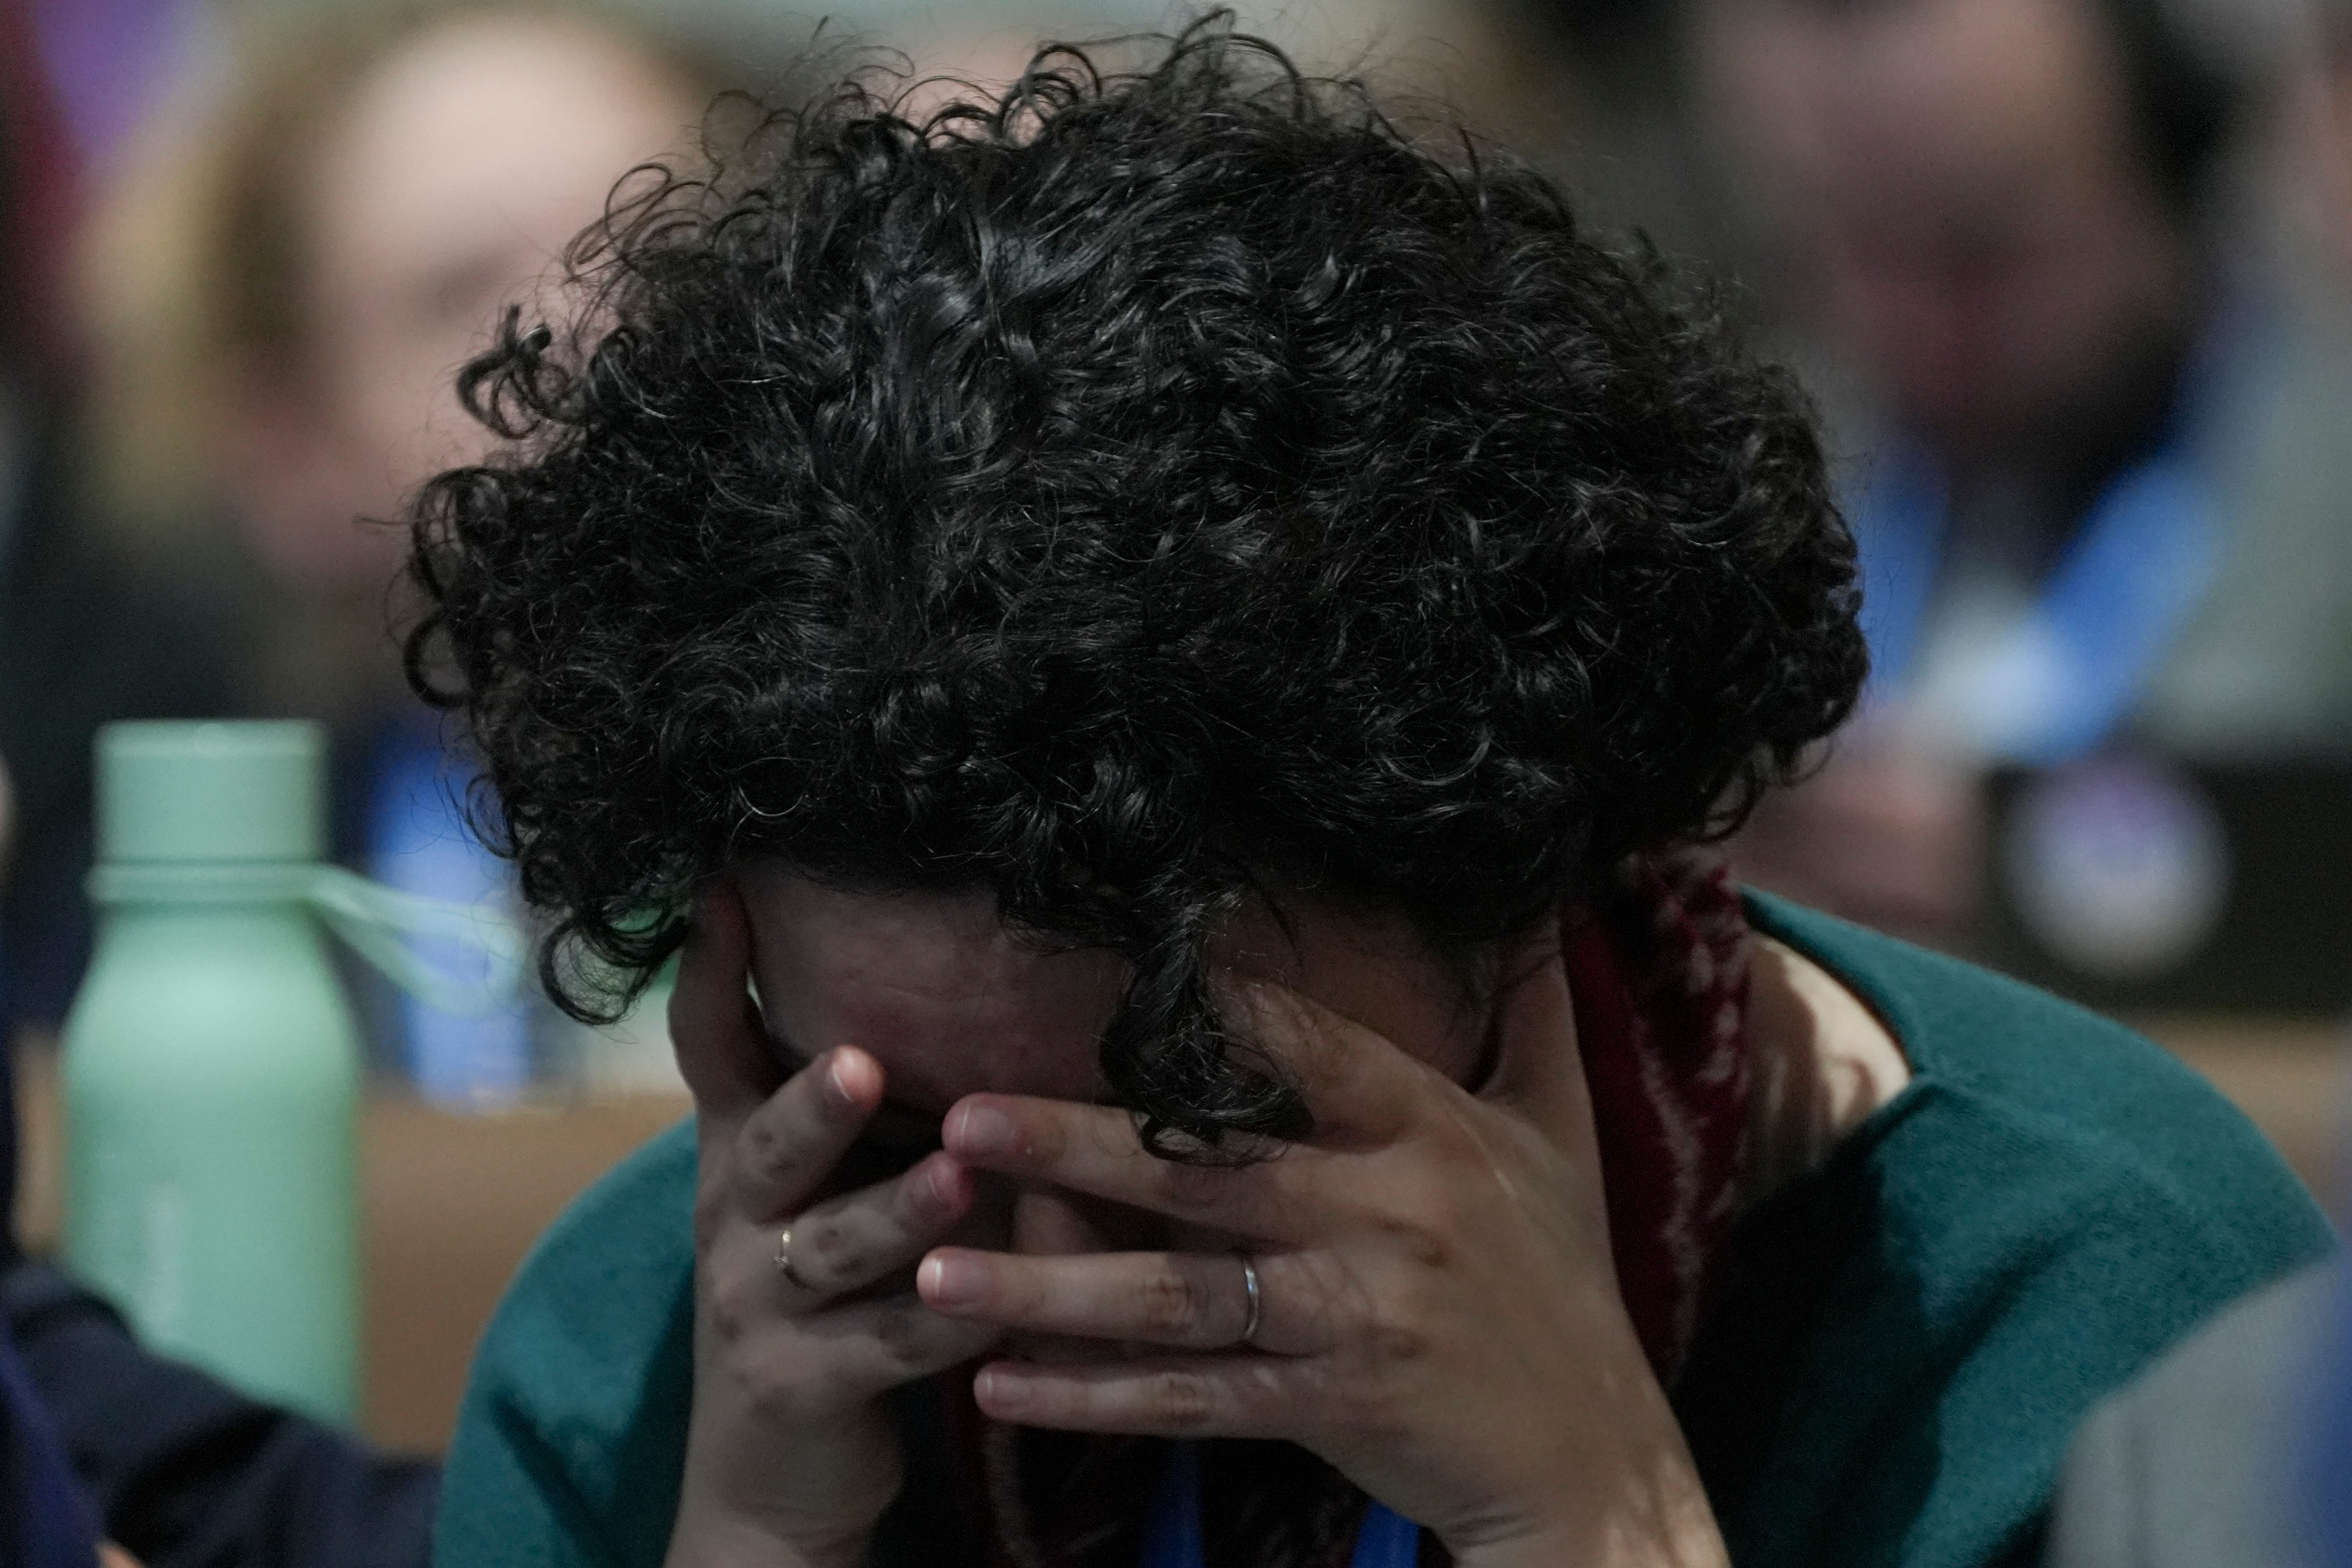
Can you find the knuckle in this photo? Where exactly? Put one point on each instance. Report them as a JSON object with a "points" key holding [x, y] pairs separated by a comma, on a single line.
{"points": [[770, 1389], [1419, 1234], [1395, 1341], [770, 1154], [1200, 1187], [1170, 1304], [1042, 1144], [1181, 1400], [1390, 1326], [828, 1255], [902, 1331], [833, 1244], [734, 1310]]}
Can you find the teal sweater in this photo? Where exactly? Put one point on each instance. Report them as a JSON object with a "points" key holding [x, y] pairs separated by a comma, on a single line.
{"points": [[1905, 1342]]}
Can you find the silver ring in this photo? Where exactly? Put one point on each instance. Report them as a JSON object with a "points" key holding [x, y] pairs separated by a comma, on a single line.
{"points": [[1255, 1297], [783, 1258]]}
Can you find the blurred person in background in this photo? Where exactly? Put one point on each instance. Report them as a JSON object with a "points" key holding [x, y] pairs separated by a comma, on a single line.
{"points": [[44, 1520], [2237, 1445], [282, 294], [2095, 467], [2317, 146]]}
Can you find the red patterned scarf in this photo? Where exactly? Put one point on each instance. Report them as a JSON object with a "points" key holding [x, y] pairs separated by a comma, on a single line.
{"points": [[1659, 977], [1657, 970]]}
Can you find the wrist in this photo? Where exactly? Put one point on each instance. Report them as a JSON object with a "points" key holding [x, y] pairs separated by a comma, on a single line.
{"points": [[1650, 1511], [1690, 1543]]}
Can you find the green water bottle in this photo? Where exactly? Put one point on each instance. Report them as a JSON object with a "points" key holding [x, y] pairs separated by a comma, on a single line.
{"points": [[211, 1060]]}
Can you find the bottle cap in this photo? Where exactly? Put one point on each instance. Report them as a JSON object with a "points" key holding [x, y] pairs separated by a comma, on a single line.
{"points": [[211, 791]]}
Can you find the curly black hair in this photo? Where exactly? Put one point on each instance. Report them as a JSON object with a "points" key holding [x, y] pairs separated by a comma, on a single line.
{"points": [[1126, 495]]}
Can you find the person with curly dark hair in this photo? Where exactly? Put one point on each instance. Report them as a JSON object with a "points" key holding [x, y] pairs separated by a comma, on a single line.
{"points": [[1171, 654]]}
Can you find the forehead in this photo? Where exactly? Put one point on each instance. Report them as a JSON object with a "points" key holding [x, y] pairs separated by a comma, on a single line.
{"points": [[1961, 95], [496, 135], [947, 999]]}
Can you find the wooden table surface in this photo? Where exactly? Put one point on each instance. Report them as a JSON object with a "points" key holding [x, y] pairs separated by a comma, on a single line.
{"points": [[2292, 1076], [452, 1201], [449, 1204]]}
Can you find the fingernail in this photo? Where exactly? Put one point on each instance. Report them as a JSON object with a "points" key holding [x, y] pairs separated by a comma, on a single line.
{"points": [[984, 1130], [942, 1182], [837, 1096], [949, 1280], [1000, 1391]]}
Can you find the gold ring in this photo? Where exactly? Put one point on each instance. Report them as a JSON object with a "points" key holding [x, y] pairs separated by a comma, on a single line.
{"points": [[784, 1258]]}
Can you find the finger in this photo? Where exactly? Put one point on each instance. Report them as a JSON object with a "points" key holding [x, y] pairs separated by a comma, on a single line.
{"points": [[723, 1050], [1094, 1149], [838, 1359], [1188, 1396], [1185, 1301], [785, 1149], [1359, 1085], [1539, 1062], [850, 1242], [1051, 1221], [869, 1347]]}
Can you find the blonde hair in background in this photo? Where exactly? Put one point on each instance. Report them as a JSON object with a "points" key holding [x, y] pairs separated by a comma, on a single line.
{"points": [[200, 297], [189, 263], [192, 266]]}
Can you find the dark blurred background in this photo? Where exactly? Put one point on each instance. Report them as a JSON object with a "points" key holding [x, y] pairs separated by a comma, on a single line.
{"points": [[2071, 281]]}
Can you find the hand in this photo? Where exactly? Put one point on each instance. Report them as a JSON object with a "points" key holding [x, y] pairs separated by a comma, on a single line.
{"points": [[790, 1457], [1440, 1314]]}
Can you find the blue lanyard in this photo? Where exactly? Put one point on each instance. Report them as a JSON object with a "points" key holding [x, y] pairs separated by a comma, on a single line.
{"points": [[2142, 561], [1172, 1532], [418, 841]]}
